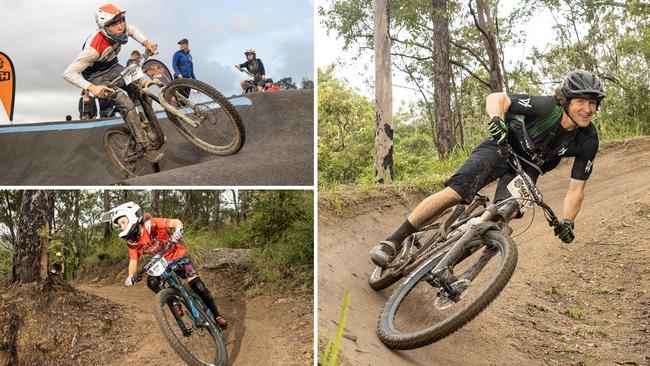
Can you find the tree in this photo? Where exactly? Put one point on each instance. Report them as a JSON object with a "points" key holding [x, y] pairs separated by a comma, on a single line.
{"points": [[286, 83], [441, 79], [236, 203], [383, 95], [307, 83], [30, 258], [106, 199], [154, 202]]}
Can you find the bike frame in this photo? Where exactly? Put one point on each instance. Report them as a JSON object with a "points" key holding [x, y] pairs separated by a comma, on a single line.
{"points": [[496, 216], [170, 278]]}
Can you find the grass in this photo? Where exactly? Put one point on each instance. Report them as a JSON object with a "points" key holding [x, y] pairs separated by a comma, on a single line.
{"points": [[601, 289], [330, 354], [576, 313], [553, 290], [595, 332], [569, 349]]}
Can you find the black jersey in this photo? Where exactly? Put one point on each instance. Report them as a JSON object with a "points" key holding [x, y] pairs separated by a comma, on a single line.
{"points": [[535, 131]]}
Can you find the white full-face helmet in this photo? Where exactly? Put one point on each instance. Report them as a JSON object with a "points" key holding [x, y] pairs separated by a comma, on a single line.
{"points": [[109, 14], [132, 212]]}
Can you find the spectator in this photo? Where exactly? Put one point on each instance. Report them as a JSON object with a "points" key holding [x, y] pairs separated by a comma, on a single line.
{"points": [[106, 108], [87, 106], [269, 86], [135, 57], [183, 65], [68, 118]]}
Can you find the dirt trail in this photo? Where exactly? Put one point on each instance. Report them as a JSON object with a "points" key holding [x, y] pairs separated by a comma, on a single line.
{"points": [[269, 328], [583, 304]]}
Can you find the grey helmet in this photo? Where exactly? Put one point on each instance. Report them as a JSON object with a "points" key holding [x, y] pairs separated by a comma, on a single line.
{"points": [[583, 84]]}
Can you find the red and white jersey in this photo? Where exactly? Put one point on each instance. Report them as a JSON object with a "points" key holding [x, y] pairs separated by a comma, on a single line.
{"points": [[99, 53]]}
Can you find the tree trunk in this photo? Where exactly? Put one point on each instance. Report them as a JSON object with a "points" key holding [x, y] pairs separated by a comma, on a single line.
{"points": [[217, 208], [441, 78], [485, 24], [187, 206], [107, 206], [383, 96], [154, 202], [30, 259], [235, 201]]}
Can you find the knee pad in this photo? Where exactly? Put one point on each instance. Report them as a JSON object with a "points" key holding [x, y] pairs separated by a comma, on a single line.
{"points": [[153, 283]]}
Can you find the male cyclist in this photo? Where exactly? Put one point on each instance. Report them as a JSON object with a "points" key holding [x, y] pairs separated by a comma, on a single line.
{"points": [[97, 65], [255, 66], [148, 235], [541, 130]]}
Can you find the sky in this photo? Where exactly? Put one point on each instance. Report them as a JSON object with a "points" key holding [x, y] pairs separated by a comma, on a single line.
{"points": [[43, 37], [360, 73]]}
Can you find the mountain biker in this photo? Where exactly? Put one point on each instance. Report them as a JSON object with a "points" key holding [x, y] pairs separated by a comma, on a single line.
{"points": [[97, 65], [269, 86], [255, 66], [542, 130], [145, 234]]}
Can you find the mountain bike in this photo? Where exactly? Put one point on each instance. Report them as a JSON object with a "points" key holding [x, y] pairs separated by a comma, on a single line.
{"points": [[207, 119], [455, 268], [251, 87], [188, 325]]}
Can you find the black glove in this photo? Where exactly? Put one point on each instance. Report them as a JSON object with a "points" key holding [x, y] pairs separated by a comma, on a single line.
{"points": [[564, 231], [498, 129]]}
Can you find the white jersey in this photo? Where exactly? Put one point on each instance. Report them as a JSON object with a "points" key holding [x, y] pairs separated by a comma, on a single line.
{"points": [[98, 54]]}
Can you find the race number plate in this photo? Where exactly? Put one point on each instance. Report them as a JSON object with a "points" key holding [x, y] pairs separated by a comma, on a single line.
{"points": [[158, 268], [133, 75], [518, 190]]}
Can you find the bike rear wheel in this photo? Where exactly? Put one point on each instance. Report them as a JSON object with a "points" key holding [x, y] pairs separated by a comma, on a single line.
{"points": [[121, 149], [419, 313], [221, 130], [203, 345]]}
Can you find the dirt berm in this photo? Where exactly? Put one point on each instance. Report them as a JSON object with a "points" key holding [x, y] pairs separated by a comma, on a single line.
{"points": [[587, 303], [103, 323], [278, 150]]}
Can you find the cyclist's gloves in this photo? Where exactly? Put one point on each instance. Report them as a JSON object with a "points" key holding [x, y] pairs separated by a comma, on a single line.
{"points": [[498, 129], [565, 231], [178, 234]]}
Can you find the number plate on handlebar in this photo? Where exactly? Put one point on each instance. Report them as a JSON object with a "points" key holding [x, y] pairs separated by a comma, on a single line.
{"points": [[133, 75], [158, 268], [519, 190]]}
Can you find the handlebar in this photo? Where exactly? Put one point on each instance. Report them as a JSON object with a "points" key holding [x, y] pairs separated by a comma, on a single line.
{"points": [[138, 276], [506, 151]]}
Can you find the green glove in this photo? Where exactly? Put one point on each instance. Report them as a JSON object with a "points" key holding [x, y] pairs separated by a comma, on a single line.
{"points": [[498, 129], [565, 231]]}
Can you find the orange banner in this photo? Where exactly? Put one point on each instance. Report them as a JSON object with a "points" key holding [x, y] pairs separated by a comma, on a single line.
{"points": [[7, 85]]}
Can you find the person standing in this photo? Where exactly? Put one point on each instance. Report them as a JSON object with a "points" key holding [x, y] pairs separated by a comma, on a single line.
{"points": [[87, 106], [135, 58], [183, 64]]}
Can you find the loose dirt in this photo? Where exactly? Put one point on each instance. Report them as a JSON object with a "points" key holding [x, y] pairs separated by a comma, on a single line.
{"points": [[581, 304], [104, 323]]}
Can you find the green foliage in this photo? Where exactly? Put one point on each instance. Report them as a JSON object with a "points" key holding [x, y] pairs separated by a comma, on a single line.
{"points": [[286, 83], [332, 349]]}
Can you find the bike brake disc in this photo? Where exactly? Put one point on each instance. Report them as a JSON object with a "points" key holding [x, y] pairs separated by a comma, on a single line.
{"points": [[444, 301]]}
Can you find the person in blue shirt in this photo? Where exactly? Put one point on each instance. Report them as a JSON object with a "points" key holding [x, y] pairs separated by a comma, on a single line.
{"points": [[183, 65]]}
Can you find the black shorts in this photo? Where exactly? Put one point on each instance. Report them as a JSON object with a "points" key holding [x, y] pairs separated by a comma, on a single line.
{"points": [[483, 167]]}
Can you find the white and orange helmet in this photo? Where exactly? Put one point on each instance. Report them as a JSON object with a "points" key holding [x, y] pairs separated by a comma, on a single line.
{"points": [[108, 14], [132, 212]]}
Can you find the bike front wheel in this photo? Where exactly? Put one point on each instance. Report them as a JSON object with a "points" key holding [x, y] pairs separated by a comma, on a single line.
{"points": [[196, 340], [121, 149], [421, 311], [219, 128]]}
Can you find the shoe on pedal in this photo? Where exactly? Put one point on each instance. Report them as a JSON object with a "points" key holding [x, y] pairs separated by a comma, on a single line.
{"points": [[221, 322], [383, 253], [153, 156]]}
